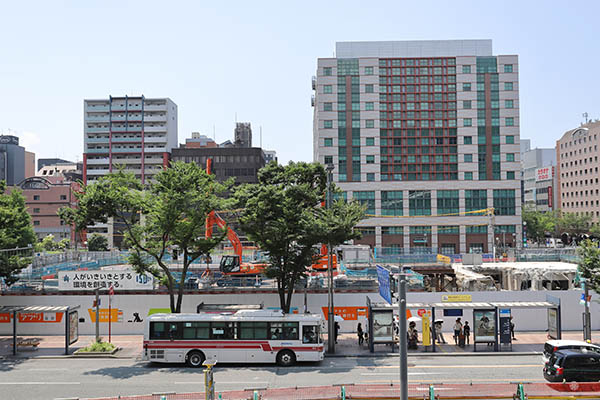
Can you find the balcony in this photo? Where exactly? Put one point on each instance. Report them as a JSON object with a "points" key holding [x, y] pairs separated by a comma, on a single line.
{"points": [[155, 149], [97, 140], [128, 128], [131, 107], [97, 151], [127, 150], [97, 171], [99, 161], [155, 128], [114, 117], [161, 139], [153, 160], [136, 139], [98, 108], [314, 83], [155, 107], [97, 118], [155, 118], [312, 100], [126, 161], [96, 130]]}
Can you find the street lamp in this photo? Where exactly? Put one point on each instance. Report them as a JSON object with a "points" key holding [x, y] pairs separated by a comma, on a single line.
{"points": [[330, 313]]}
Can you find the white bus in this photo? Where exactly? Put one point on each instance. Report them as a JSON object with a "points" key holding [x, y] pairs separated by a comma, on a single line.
{"points": [[247, 336]]}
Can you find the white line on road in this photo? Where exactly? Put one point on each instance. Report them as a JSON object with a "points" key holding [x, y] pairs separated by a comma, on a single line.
{"points": [[221, 383], [40, 383], [396, 374], [47, 369]]}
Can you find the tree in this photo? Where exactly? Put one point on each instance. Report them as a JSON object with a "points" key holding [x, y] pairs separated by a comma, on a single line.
{"points": [[64, 244], [48, 243], [97, 242], [539, 223], [573, 224], [281, 214], [16, 231], [165, 214], [589, 266], [73, 219]]}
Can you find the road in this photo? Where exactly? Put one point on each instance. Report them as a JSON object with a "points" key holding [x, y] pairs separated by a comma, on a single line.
{"points": [[59, 378]]}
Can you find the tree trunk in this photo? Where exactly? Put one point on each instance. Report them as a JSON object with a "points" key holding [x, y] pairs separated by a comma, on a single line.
{"points": [[281, 291], [290, 293], [186, 264], [171, 287]]}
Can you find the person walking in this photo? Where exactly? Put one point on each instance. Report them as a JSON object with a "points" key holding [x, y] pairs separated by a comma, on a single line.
{"points": [[359, 332], [512, 328], [336, 331], [438, 332], [467, 331], [457, 330]]}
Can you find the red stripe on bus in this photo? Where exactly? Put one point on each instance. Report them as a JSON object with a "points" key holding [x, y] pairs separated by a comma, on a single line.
{"points": [[264, 348]]}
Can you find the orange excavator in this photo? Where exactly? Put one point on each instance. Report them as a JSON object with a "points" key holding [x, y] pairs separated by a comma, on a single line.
{"points": [[231, 265]]}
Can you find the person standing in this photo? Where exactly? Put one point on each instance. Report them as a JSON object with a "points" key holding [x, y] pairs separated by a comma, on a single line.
{"points": [[467, 331], [359, 332], [512, 328], [336, 330], [457, 330], [438, 332]]}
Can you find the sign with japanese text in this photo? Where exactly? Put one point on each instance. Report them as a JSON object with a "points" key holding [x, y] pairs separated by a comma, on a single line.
{"points": [[5, 317], [347, 313], [426, 328], [116, 315], [550, 196], [39, 317], [383, 276], [104, 279], [544, 174], [456, 298], [73, 327]]}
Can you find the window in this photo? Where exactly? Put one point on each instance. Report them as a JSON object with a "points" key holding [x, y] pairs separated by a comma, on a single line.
{"points": [[468, 158], [370, 141], [36, 210], [419, 202], [466, 87], [196, 330], [420, 230], [510, 157], [253, 330], [392, 230], [467, 104], [475, 200], [468, 176], [222, 330], [510, 139], [504, 201], [366, 198], [477, 229], [466, 69], [370, 159], [392, 203], [36, 197], [508, 68], [369, 106], [328, 160], [369, 123], [310, 334], [369, 88], [468, 140], [36, 223], [510, 121], [327, 71], [328, 142], [328, 124], [283, 331], [467, 122], [368, 70], [510, 175], [327, 89], [447, 202], [327, 106], [508, 86], [448, 230], [509, 104]]}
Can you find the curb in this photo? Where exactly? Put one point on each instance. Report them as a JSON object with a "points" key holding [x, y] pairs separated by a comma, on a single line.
{"points": [[477, 354]]}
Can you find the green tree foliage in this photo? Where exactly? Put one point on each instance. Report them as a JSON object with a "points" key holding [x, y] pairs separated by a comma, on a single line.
{"points": [[168, 213], [48, 243], [282, 215], [72, 218], [64, 244], [539, 223], [574, 224], [97, 242], [16, 231], [589, 266]]}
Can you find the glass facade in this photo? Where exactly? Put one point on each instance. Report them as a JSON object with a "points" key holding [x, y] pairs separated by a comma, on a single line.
{"points": [[419, 202], [504, 202], [475, 200], [392, 203], [366, 198], [349, 120], [488, 119], [447, 202]]}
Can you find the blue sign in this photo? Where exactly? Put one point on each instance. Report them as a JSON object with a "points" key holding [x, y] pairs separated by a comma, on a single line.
{"points": [[383, 276]]}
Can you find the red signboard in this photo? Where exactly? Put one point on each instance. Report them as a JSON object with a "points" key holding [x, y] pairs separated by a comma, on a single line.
{"points": [[5, 317], [550, 196], [40, 317], [347, 313], [544, 174]]}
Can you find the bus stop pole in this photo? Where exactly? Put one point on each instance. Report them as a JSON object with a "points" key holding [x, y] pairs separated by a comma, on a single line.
{"points": [[14, 333], [97, 315], [432, 325], [67, 329], [403, 352]]}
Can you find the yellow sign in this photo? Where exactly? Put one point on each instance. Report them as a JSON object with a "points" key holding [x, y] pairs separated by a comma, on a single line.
{"points": [[426, 324], [456, 298], [116, 315], [444, 259]]}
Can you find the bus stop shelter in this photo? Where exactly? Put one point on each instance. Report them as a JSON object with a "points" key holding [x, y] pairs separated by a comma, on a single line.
{"points": [[69, 316]]}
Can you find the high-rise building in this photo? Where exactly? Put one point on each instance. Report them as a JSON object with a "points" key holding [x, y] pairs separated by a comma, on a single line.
{"points": [[135, 132], [270, 155], [243, 134], [12, 160], [577, 170], [425, 134]]}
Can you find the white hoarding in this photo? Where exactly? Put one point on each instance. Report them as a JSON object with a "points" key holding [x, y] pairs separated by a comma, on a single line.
{"points": [[544, 174], [103, 279]]}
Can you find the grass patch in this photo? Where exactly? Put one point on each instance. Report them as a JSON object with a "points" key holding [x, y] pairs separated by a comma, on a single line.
{"points": [[99, 347]]}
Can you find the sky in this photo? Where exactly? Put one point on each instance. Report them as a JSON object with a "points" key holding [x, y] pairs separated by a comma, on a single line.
{"points": [[253, 60]]}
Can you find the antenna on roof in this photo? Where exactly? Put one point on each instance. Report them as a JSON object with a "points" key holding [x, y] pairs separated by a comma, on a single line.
{"points": [[214, 133], [261, 136], [585, 115]]}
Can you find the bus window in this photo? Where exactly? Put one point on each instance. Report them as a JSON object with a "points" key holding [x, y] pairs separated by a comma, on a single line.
{"points": [[283, 331], [252, 330], [310, 334], [196, 330], [174, 330], [222, 330], [158, 330]]}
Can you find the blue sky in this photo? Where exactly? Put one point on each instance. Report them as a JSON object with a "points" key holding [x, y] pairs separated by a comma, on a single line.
{"points": [[256, 58]]}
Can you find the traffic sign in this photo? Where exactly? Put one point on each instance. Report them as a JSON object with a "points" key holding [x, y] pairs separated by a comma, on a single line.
{"points": [[383, 276]]}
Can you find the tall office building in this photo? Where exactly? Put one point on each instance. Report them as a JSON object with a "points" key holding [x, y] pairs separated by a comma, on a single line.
{"points": [[135, 132], [243, 134], [537, 168], [425, 134], [577, 170], [12, 160]]}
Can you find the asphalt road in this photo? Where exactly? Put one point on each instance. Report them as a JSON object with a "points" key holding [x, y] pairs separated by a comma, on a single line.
{"points": [[60, 378]]}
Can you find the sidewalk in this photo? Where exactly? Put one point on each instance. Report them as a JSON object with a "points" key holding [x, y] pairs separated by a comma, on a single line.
{"points": [[130, 346]]}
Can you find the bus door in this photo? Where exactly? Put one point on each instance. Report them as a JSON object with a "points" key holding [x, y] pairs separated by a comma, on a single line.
{"points": [[173, 334]]}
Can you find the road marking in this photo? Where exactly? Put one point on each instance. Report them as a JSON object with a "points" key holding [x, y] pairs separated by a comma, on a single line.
{"points": [[451, 380], [466, 366], [396, 374], [47, 369], [221, 383], [40, 383]]}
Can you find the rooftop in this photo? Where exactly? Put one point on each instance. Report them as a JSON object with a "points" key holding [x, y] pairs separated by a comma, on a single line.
{"points": [[414, 48]]}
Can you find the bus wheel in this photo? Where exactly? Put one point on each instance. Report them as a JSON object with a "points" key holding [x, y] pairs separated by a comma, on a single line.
{"points": [[195, 359], [286, 358]]}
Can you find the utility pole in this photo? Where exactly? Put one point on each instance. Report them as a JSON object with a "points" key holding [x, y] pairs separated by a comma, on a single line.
{"points": [[587, 318], [330, 313], [97, 291], [403, 352]]}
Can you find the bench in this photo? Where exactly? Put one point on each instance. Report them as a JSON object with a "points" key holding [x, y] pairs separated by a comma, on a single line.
{"points": [[28, 344]]}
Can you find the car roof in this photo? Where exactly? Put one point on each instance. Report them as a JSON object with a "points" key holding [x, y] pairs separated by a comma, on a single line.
{"points": [[558, 343], [575, 353]]}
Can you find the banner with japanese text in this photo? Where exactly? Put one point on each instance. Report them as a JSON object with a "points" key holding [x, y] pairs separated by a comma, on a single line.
{"points": [[103, 279]]}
